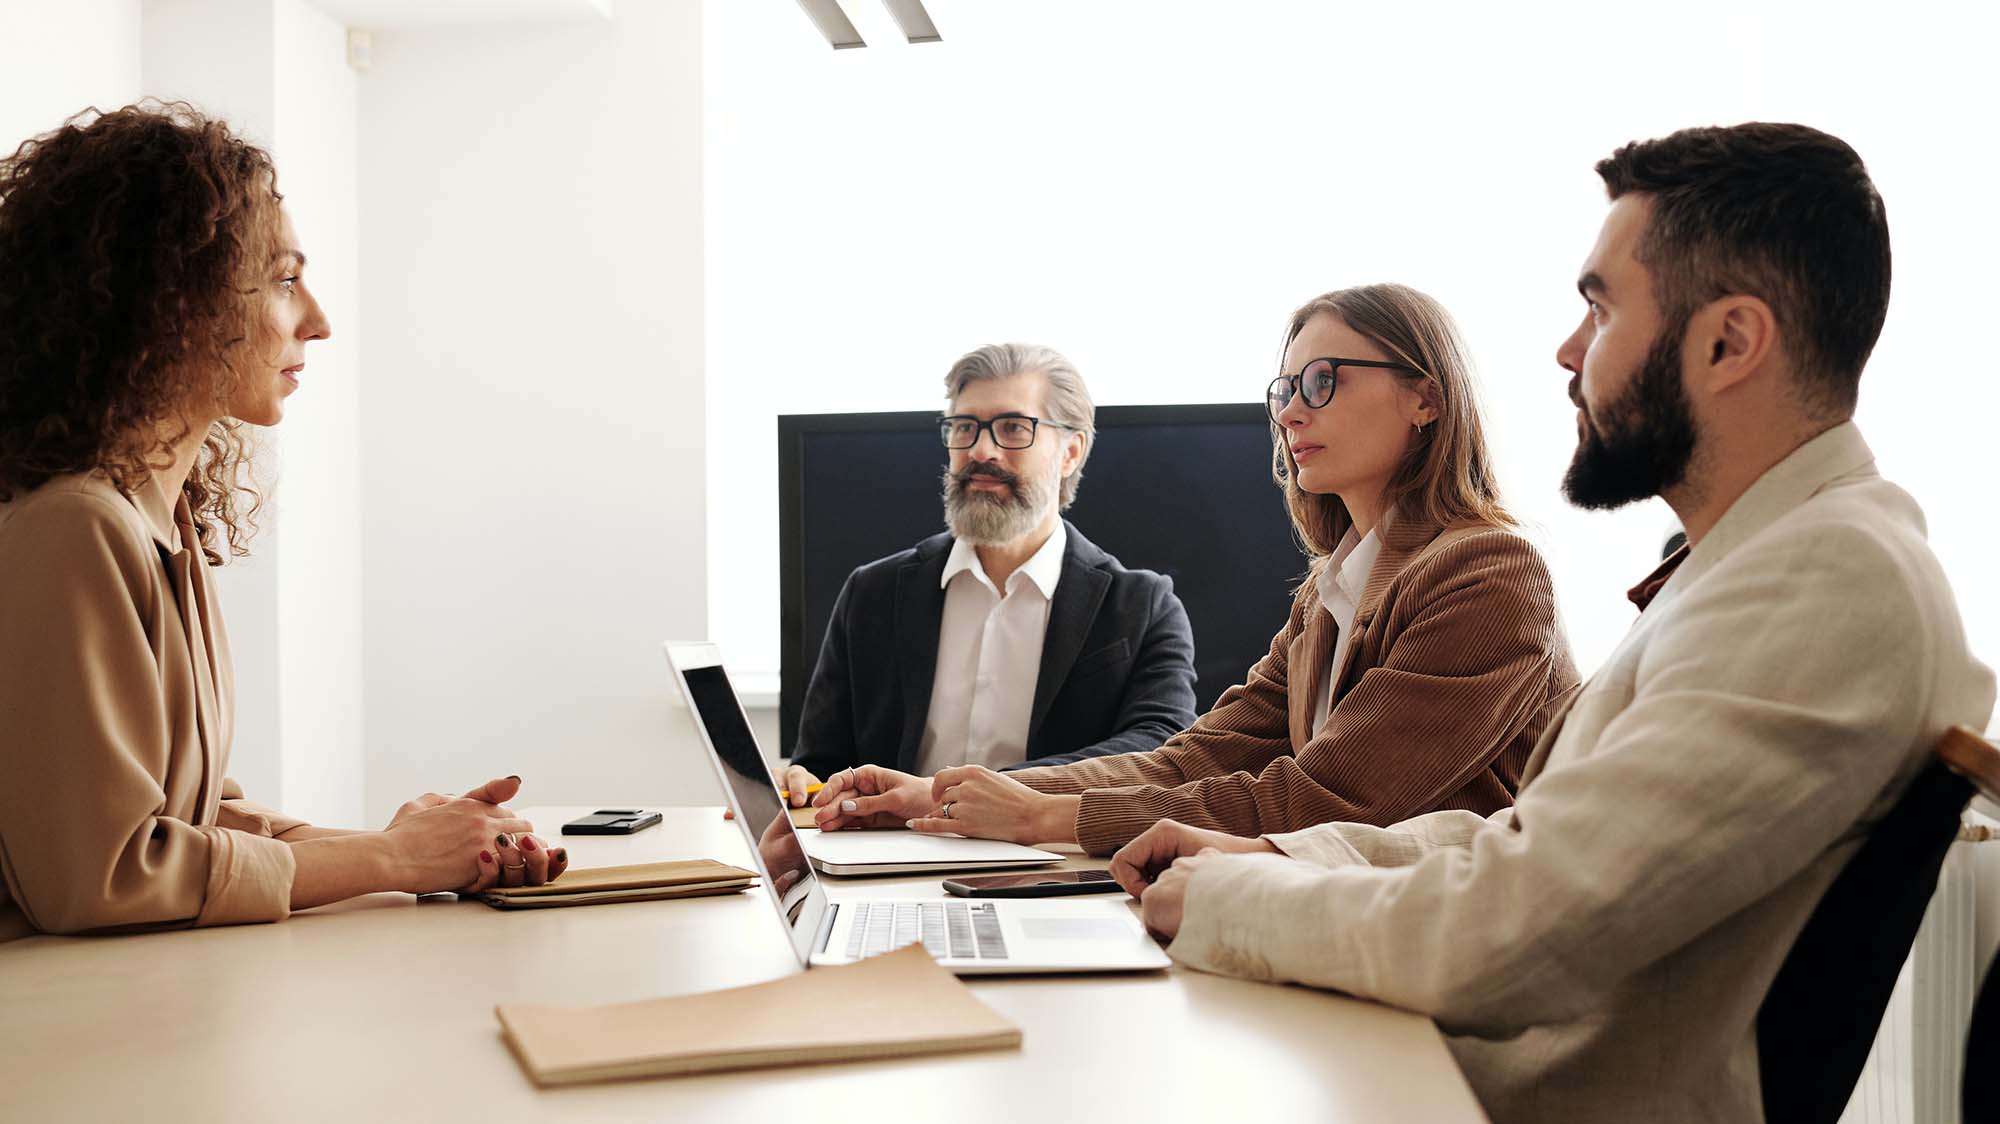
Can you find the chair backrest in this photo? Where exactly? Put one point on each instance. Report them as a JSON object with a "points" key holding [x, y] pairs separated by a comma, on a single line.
{"points": [[1977, 760], [1819, 1019], [1979, 1098]]}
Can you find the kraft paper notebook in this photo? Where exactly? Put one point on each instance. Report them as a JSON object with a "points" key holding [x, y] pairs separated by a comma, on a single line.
{"points": [[893, 1005], [639, 882]]}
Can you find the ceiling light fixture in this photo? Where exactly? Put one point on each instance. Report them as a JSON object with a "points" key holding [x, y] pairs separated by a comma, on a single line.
{"points": [[833, 23], [915, 23], [911, 18]]}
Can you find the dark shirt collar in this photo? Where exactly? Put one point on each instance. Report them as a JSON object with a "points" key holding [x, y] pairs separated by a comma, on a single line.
{"points": [[1642, 594]]}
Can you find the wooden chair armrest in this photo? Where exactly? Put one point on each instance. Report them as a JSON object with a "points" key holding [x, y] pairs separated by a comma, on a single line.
{"points": [[1972, 757]]}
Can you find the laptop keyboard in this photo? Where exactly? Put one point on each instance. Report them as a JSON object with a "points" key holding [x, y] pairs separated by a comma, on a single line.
{"points": [[947, 929]]}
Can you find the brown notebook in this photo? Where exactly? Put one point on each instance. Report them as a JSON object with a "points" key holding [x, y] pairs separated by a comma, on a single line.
{"points": [[889, 1006], [639, 882]]}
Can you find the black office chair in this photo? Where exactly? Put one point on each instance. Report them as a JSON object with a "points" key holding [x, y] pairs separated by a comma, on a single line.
{"points": [[1819, 1019], [1979, 1097]]}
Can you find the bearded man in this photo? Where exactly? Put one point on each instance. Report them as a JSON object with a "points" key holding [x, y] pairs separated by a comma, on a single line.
{"points": [[1009, 639], [1601, 949]]}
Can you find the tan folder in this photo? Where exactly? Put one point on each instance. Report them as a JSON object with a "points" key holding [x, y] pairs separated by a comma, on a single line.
{"points": [[893, 1005], [638, 882]]}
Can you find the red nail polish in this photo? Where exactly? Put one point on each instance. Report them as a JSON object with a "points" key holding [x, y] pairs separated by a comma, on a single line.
{"points": [[527, 842], [486, 857]]}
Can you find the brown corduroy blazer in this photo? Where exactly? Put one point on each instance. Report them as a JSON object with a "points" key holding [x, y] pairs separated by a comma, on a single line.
{"points": [[1458, 662], [115, 721]]}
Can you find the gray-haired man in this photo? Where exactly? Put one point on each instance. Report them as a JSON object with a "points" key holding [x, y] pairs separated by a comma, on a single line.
{"points": [[1009, 638]]}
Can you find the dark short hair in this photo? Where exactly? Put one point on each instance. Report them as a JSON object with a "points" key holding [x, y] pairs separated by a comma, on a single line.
{"points": [[1784, 213]]}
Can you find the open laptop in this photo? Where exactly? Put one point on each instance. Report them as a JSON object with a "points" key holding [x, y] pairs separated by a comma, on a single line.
{"points": [[877, 852], [967, 935]]}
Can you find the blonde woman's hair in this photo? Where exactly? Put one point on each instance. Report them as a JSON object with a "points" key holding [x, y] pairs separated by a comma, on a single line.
{"points": [[1447, 473]]}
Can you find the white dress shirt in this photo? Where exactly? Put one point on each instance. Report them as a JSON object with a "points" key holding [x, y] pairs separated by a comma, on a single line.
{"points": [[1340, 583], [989, 657]]}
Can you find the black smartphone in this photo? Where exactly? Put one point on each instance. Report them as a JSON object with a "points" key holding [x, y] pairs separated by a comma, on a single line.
{"points": [[1047, 884], [611, 821]]}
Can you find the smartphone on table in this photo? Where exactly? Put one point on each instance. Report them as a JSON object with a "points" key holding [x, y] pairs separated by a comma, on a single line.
{"points": [[1046, 884], [611, 821]]}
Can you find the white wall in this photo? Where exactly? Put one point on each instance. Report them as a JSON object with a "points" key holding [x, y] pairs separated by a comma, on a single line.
{"points": [[1152, 185], [276, 70], [532, 473], [216, 55], [318, 496], [56, 59]]}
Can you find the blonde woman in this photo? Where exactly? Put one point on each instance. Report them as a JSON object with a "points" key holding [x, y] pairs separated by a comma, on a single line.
{"points": [[152, 303], [1422, 659]]}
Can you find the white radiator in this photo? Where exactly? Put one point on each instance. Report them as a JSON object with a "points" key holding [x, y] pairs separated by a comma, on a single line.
{"points": [[1913, 1071]]}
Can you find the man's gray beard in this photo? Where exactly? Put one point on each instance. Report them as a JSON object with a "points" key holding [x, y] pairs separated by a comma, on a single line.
{"points": [[983, 520]]}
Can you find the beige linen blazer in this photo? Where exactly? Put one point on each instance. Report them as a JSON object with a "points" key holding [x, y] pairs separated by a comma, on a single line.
{"points": [[1458, 662], [116, 709], [1599, 951]]}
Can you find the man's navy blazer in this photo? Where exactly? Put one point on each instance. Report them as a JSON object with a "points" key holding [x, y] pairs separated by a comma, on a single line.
{"points": [[1117, 671]]}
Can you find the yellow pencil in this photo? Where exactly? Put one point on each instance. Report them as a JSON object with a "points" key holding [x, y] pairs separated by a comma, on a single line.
{"points": [[786, 794]]}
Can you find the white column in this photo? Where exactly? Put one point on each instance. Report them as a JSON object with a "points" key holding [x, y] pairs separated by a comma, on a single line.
{"points": [[276, 70], [533, 469]]}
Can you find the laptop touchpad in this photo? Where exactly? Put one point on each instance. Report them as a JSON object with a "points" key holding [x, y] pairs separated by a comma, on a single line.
{"points": [[1075, 929]]}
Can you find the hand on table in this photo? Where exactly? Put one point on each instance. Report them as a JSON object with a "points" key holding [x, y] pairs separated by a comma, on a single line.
{"points": [[975, 801], [796, 783], [870, 796], [793, 783], [1156, 867], [469, 843]]}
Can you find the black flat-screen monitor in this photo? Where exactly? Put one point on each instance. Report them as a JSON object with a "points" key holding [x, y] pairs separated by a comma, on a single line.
{"points": [[1184, 490]]}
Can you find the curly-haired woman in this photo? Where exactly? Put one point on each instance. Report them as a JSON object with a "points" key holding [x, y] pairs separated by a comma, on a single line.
{"points": [[153, 303]]}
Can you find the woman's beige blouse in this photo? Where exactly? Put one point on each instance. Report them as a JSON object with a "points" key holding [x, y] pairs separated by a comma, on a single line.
{"points": [[116, 709]]}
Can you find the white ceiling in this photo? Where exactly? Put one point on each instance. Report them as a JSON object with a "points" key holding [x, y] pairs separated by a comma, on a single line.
{"points": [[384, 15]]}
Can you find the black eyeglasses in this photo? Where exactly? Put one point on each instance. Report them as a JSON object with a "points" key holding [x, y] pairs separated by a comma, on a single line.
{"points": [[1010, 431], [1315, 380]]}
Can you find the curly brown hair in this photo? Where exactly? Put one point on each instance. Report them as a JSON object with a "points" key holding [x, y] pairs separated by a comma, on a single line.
{"points": [[129, 244]]}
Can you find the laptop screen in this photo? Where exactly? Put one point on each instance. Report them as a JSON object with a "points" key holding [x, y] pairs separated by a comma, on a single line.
{"points": [[754, 796]]}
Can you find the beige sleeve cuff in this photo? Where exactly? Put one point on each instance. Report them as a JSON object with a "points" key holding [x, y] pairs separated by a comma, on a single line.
{"points": [[1324, 845], [1405, 844], [249, 878], [1234, 910], [247, 815]]}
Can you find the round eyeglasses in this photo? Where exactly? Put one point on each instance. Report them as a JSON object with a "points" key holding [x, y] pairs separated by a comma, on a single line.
{"points": [[1316, 381], [1010, 431]]}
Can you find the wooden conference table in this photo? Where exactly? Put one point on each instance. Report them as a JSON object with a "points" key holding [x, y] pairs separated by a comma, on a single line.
{"points": [[381, 1008]]}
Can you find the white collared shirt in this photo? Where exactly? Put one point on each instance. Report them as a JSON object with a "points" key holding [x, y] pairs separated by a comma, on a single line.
{"points": [[1340, 583], [989, 657]]}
